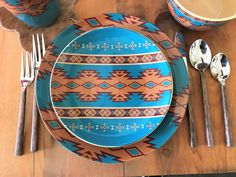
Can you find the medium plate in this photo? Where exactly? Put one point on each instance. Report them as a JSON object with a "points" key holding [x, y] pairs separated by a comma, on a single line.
{"points": [[111, 87], [160, 135]]}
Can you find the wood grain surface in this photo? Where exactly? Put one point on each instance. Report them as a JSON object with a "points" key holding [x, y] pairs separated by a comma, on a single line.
{"points": [[176, 157]]}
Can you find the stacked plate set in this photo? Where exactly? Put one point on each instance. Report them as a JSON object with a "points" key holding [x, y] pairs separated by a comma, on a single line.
{"points": [[112, 88]]}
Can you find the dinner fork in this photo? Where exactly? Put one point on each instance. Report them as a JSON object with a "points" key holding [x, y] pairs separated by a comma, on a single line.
{"points": [[26, 77], [38, 52]]}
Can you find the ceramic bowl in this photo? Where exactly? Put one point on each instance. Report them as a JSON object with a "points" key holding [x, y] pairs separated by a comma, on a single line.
{"points": [[192, 20], [35, 13]]}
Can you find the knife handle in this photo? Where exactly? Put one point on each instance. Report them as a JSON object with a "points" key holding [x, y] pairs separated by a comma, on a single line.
{"points": [[192, 127]]}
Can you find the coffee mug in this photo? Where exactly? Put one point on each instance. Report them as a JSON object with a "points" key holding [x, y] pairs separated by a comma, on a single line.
{"points": [[35, 13], [202, 14]]}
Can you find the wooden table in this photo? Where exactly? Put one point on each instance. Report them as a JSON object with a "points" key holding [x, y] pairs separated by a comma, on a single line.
{"points": [[176, 157]]}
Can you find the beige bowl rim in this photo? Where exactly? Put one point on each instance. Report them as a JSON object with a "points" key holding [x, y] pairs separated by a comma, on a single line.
{"points": [[205, 18]]}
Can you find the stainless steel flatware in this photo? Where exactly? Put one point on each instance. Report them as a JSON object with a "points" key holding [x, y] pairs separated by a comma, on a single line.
{"points": [[220, 69], [26, 77], [179, 41], [38, 53], [200, 59]]}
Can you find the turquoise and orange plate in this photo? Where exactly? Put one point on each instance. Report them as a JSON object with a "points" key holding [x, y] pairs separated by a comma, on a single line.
{"points": [[111, 87], [105, 86]]}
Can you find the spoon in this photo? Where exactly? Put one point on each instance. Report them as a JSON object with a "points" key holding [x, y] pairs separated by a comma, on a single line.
{"points": [[200, 59], [220, 69]]}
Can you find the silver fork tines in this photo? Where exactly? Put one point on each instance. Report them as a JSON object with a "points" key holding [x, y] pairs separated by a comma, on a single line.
{"points": [[39, 51], [27, 72], [26, 77]]}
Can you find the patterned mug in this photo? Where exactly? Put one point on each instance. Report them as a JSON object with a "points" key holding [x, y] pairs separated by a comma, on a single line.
{"points": [[189, 17], [35, 13]]}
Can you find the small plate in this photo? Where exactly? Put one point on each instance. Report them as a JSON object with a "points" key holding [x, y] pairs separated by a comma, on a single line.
{"points": [[111, 86]]}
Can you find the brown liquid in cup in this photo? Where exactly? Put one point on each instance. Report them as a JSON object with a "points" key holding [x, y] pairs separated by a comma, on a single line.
{"points": [[210, 8]]}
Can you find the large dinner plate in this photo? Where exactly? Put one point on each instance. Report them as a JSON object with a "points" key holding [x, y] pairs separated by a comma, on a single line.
{"points": [[111, 86], [121, 154]]}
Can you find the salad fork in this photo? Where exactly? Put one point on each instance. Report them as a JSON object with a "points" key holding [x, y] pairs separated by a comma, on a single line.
{"points": [[26, 78], [38, 52]]}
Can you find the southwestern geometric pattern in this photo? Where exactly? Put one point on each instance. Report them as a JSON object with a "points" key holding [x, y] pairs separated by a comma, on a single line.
{"points": [[32, 8], [134, 152], [33, 13], [132, 126], [117, 46], [93, 22], [112, 86], [179, 41], [166, 44], [88, 85], [85, 112], [148, 144], [54, 124], [111, 59]]}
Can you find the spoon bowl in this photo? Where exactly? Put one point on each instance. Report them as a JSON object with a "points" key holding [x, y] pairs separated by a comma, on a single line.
{"points": [[200, 55], [220, 68]]}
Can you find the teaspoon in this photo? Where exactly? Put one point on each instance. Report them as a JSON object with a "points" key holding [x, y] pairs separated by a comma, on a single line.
{"points": [[220, 69], [200, 59]]}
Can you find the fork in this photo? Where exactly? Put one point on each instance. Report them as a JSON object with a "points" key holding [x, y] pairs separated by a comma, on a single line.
{"points": [[38, 52], [26, 78]]}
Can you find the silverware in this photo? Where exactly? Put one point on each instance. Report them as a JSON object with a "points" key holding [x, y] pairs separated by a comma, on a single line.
{"points": [[220, 69], [26, 77], [180, 43], [200, 59], [38, 53]]}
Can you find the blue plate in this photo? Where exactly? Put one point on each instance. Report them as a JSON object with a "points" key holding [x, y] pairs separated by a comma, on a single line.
{"points": [[111, 87], [150, 143]]}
